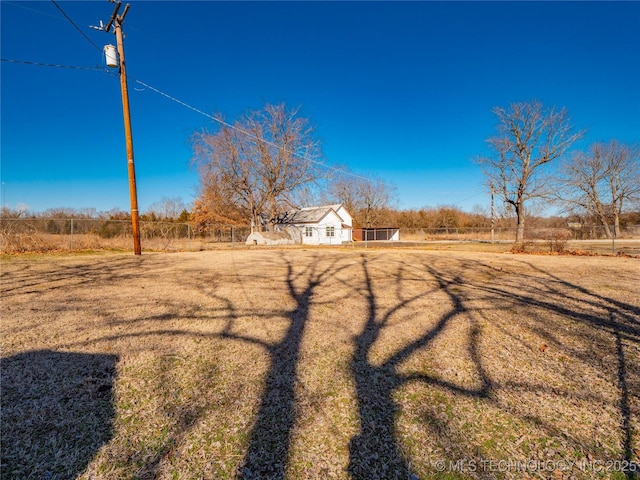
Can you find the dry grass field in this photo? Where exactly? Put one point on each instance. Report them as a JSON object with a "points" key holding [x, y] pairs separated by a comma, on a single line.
{"points": [[320, 363]]}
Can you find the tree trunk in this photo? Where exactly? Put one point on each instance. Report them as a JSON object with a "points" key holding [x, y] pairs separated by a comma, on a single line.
{"points": [[616, 225], [272, 216], [520, 230], [604, 221]]}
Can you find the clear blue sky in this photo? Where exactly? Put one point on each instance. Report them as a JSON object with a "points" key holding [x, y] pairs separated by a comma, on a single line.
{"points": [[401, 91]]}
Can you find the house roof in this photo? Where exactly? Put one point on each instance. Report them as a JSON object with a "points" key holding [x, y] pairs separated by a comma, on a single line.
{"points": [[308, 214]]}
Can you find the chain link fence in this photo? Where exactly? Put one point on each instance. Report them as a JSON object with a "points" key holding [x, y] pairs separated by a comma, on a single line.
{"points": [[593, 239], [69, 234]]}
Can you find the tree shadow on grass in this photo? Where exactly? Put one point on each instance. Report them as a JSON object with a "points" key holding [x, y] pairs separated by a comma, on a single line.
{"points": [[377, 452], [267, 455], [54, 276], [269, 441], [623, 323], [57, 411]]}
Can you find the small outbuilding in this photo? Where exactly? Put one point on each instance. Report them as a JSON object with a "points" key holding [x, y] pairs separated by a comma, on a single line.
{"points": [[373, 234], [324, 225]]}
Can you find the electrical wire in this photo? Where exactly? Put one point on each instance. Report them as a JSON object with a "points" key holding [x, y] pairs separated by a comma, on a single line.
{"points": [[477, 194], [180, 102], [220, 121], [249, 134], [32, 10], [40, 64], [76, 26]]}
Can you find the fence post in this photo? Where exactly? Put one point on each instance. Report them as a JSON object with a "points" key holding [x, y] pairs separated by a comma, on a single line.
{"points": [[613, 240], [71, 236], [189, 237]]}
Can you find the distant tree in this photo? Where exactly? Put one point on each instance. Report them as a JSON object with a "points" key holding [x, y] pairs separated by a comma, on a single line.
{"points": [[602, 182], [184, 216], [529, 138], [631, 218], [449, 216], [115, 214], [167, 208], [60, 212], [251, 167], [365, 199], [20, 211], [87, 212], [480, 216], [308, 195], [407, 219]]}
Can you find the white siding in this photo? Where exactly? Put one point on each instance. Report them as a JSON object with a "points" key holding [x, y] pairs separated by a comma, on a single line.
{"points": [[346, 218], [331, 223], [314, 239], [333, 228]]}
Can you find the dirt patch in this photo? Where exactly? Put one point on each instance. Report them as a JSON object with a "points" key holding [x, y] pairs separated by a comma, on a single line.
{"points": [[322, 363]]}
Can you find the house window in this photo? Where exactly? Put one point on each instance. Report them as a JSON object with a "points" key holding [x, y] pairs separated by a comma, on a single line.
{"points": [[308, 232], [331, 231]]}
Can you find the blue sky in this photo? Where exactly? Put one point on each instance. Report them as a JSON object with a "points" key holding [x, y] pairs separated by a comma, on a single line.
{"points": [[402, 91]]}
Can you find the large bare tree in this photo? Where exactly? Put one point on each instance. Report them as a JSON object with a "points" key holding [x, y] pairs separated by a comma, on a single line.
{"points": [[602, 182], [252, 166], [529, 138]]}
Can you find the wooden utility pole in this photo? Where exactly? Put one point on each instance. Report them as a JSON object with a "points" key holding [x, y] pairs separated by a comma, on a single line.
{"points": [[117, 20]]}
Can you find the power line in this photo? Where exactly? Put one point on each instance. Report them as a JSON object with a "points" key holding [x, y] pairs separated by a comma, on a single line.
{"points": [[244, 132], [180, 102], [76, 26], [249, 134], [222, 122], [472, 196], [32, 10], [337, 169], [40, 64]]}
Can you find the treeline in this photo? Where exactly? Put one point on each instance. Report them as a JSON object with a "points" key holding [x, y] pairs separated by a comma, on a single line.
{"points": [[439, 217], [163, 219], [166, 210], [449, 216]]}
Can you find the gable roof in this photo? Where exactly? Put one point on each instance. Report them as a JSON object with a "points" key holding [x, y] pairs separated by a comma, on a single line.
{"points": [[308, 214]]}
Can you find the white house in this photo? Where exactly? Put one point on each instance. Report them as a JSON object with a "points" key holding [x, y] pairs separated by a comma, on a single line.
{"points": [[325, 225]]}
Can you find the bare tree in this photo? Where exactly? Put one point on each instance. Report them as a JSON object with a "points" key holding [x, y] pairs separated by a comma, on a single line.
{"points": [[20, 211], [602, 182], [529, 138], [366, 199], [167, 208], [216, 204], [254, 164]]}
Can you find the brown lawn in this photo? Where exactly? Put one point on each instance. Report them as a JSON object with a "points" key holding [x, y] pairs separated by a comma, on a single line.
{"points": [[320, 363]]}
